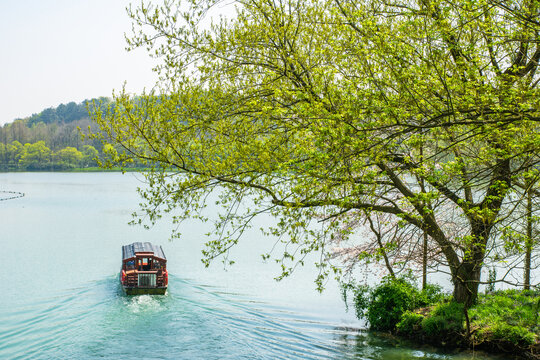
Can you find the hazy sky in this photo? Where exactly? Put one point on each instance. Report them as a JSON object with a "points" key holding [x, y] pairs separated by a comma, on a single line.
{"points": [[57, 51]]}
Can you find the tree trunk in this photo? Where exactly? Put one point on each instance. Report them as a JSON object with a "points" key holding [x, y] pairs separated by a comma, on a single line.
{"points": [[466, 275], [424, 261], [425, 244], [466, 281], [528, 242]]}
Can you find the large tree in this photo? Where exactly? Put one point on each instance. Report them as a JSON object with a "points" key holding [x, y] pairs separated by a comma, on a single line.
{"points": [[315, 110]]}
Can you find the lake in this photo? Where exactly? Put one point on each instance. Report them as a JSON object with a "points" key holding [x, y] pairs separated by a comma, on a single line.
{"points": [[61, 299]]}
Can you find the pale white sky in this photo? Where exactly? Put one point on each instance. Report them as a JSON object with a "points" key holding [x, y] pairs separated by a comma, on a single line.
{"points": [[57, 51]]}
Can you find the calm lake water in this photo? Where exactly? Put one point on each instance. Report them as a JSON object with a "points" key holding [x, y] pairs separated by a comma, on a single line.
{"points": [[61, 299]]}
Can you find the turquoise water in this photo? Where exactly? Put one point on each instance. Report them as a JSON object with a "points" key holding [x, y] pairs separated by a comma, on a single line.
{"points": [[61, 299]]}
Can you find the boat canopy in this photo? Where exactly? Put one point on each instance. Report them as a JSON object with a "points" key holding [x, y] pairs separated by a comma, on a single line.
{"points": [[129, 251]]}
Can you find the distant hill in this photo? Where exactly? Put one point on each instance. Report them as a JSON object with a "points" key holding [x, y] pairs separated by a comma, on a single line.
{"points": [[63, 113], [55, 126], [50, 140]]}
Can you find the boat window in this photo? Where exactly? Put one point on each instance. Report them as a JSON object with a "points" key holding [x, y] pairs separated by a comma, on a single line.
{"points": [[144, 264], [130, 265], [157, 264]]}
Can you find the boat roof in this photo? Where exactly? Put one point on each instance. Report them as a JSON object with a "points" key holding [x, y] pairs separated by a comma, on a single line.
{"points": [[129, 251]]}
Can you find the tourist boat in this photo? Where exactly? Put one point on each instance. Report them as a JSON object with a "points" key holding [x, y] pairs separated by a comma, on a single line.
{"points": [[144, 269]]}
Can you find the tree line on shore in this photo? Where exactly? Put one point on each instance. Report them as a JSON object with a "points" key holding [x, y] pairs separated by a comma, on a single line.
{"points": [[15, 156], [51, 140]]}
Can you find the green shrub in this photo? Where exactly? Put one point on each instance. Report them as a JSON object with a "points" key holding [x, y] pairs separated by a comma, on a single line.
{"points": [[444, 319], [383, 305], [389, 301], [451, 310], [409, 322], [432, 294], [516, 335], [362, 299]]}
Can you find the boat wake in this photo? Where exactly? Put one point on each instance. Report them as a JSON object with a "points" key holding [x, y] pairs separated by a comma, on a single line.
{"points": [[143, 304]]}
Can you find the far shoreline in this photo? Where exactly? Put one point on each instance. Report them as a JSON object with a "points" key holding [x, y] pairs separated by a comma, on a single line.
{"points": [[94, 169]]}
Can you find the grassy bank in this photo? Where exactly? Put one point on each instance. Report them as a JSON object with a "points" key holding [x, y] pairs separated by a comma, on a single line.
{"points": [[504, 321], [500, 322]]}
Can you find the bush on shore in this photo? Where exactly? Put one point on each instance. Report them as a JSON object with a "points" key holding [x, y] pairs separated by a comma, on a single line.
{"points": [[503, 321], [384, 305]]}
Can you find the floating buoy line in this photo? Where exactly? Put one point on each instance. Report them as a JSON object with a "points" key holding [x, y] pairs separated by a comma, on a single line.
{"points": [[11, 195]]}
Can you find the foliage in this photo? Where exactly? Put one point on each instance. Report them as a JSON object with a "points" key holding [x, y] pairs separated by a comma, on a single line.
{"points": [[69, 156], [384, 304], [444, 320], [314, 110], [35, 156], [388, 302], [360, 295], [89, 155], [410, 322], [432, 294]]}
